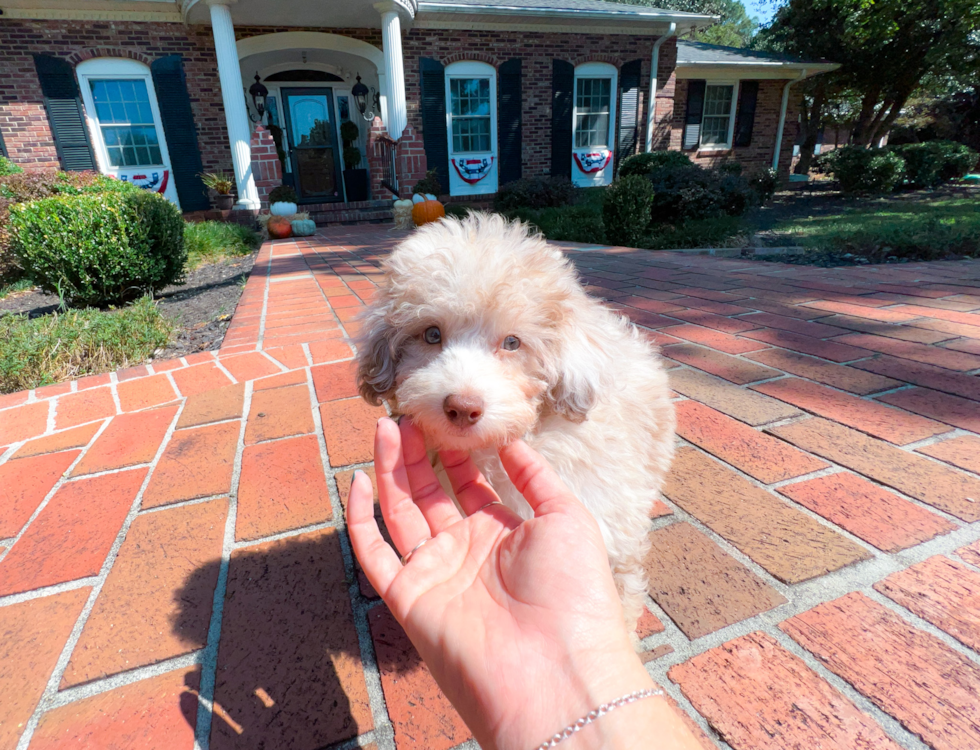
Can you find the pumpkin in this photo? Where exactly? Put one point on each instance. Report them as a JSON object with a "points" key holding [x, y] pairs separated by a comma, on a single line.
{"points": [[402, 214], [279, 227], [303, 227], [426, 211]]}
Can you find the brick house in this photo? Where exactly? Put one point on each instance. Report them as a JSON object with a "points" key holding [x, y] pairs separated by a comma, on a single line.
{"points": [[485, 91]]}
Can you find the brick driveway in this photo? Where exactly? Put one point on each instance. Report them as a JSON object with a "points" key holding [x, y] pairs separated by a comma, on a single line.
{"points": [[173, 562]]}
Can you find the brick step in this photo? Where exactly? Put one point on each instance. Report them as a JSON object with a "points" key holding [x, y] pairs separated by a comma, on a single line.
{"points": [[359, 212]]}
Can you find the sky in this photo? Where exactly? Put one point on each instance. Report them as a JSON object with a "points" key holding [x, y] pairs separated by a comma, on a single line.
{"points": [[763, 11]]}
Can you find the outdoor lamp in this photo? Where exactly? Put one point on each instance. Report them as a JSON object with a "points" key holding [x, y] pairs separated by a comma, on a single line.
{"points": [[258, 93], [360, 93]]}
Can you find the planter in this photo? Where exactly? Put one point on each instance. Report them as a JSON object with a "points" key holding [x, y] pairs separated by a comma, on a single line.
{"points": [[356, 182], [224, 202], [282, 208]]}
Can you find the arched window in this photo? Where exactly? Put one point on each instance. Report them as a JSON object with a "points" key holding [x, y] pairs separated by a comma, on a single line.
{"points": [[593, 124], [471, 124]]}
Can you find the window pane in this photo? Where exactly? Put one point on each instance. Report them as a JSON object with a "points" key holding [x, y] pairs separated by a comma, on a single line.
{"points": [[592, 98], [718, 101], [469, 100], [123, 110]]}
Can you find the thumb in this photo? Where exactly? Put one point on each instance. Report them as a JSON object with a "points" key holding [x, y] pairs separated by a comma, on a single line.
{"points": [[535, 479]]}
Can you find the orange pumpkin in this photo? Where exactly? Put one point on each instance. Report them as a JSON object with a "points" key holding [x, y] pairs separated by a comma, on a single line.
{"points": [[279, 228], [426, 211]]}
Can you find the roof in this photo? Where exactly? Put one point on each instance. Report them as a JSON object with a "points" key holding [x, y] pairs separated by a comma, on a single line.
{"points": [[699, 53], [582, 8]]}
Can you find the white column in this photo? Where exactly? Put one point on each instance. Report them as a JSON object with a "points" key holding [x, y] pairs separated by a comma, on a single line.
{"points": [[233, 98], [391, 41]]}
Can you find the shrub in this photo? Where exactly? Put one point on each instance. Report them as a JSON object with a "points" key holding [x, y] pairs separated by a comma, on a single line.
{"points": [[209, 241], [626, 210], [730, 167], [99, 249], [764, 183], [8, 167], [691, 192], [54, 348], [569, 223], [220, 182], [720, 231], [534, 193], [861, 170], [929, 239], [648, 161], [282, 194], [934, 162], [459, 210], [429, 184], [824, 163]]}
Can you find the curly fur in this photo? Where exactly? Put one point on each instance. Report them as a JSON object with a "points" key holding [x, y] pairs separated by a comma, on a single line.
{"points": [[584, 388]]}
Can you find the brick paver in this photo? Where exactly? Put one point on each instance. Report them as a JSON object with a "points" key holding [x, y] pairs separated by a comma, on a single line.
{"points": [[828, 454]]}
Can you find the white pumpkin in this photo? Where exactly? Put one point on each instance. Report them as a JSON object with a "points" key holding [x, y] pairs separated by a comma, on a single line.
{"points": [[430, 197], [403, 214], [419, 198], [282, 208]]}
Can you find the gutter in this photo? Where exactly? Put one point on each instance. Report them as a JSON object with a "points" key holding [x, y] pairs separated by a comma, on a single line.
{"points": [[782, 119], [695, 19], [654, 66]]}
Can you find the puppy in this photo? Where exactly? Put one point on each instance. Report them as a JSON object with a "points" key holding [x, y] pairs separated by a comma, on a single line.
{"points": [[483, 334]]}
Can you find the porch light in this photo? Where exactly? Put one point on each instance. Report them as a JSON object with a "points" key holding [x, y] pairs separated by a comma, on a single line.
{"points": [[258, 93], [360, 93]]}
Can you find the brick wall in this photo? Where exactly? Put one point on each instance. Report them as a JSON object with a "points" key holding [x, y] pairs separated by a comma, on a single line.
{"points": [[757, 155], [266, 167]]}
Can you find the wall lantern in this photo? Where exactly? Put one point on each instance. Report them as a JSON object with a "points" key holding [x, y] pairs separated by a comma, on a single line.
{"points": [[360, 93], [258, 93]]}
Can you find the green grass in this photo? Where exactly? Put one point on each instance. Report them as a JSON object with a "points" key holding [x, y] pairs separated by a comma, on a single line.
{"points": [[21, 285], [211, 241], [892, 227], [67, 345]]}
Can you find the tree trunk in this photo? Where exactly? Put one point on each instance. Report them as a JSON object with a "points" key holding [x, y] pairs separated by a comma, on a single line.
{"points": [[812, 122], [867, 113], [870, 132]]}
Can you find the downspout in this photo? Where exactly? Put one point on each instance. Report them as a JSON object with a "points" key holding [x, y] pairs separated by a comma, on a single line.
{"points": [[654, 65], [782, 119]]}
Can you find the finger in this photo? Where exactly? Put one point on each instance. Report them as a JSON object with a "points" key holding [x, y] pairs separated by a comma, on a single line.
{"points": [[405, 521], [535, 479], [472, 489], [377, 558], [438, 508]]}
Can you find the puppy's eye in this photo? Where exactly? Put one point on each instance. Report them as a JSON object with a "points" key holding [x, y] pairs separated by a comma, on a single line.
{"points": [[432, 335], [511, 343]]}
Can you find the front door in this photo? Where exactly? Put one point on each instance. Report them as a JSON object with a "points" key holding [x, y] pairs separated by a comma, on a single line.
{"points": [[313, 147]]}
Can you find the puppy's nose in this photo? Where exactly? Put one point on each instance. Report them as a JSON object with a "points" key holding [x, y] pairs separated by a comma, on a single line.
{"points": [[463, 410]]}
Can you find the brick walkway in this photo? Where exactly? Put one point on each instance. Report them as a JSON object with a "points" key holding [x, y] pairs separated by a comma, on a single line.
{"points": [[173, 563]]}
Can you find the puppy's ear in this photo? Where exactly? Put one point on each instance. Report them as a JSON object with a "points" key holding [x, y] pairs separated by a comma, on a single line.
{"points": [[577, 372], [377, 356]]}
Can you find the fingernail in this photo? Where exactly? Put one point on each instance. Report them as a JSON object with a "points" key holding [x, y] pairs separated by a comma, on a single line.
{"points": [[357, 473], [400, 418]]}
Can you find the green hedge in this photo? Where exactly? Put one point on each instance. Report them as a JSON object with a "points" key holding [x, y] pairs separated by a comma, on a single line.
{"points": [[862, 170], [8, 167], [534, 193], [626, 210], [100, 249], [646, 162], [935, 162]]}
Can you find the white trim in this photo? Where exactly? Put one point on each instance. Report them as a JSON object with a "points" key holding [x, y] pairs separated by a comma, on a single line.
{"points": [[640, 14], [286, 40], [91, 15], [750, 70], [545, 26], [654, 70], [472, 69], [728, 145], [782, 122], [595, 70]]}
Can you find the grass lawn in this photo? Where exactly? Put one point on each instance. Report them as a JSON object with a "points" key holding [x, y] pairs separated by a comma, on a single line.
{"points": [[211, 241]]}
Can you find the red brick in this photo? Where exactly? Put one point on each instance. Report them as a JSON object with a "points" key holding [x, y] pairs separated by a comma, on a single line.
{"points": [[948, 327], [145, 392], [166, 365], [931, 689], [759, 696], [129, 439], [292, 357], [701, 588], [76, 437], [249, 366], [23, 422], [782, 322], [755, 453], [970, 346], [132, 372], [930, 355], [213, 406], [13, 399], [282, 487], [928, 376], [278, 413], [796, 342], [894, 425], [77, 408], [941, 591], [199, 357], [288, 629], [293, 377], [335, 381], [158, 713], [901, 331], [421, 715], [650, 305], [24, 483], [50, 391], [714, 339], [718, 308], [962, 451], [861, 311], [801, 313], [197, 462], [929, 312], [645, 319], [879, 517], [716, 322], [840, 376], [348, 428], [925, 480], [970, 553], [648, 625], [730, 368], [952, 410], [32, 637], [156, 602], [783, 540], [71, 537], [200, 378], [345, 301]]}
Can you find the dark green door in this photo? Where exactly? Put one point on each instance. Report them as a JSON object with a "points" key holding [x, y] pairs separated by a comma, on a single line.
{"points": [[313, 149]]}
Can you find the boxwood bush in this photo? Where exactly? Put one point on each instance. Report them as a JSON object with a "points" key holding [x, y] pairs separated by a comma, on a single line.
{"points": [[102, 248], [8, 167], [862, 170], [534, 193], [648, 161], [935, 162], [626, 210]]}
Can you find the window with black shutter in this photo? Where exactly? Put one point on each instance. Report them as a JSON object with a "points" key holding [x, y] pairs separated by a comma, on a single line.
{"points": [[509, 120], [65, 114], [3, 146], [745, 119], [629, 86], [562, 100], [692, 119], [435, 137]]}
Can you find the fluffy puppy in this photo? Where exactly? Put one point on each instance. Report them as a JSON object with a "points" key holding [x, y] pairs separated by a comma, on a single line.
{"points": [[483, 334]]}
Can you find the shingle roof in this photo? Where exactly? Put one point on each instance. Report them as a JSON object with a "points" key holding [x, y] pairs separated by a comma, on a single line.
{"points": [[587, 6], [695, 53]]}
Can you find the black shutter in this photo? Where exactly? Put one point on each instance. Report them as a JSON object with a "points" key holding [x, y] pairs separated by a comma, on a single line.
{"points": [[562, 97], [745, 117], [3, 146], [65, 113], [434, 137], [180, 132], [509, 120], [695, 108], [629, 104]]}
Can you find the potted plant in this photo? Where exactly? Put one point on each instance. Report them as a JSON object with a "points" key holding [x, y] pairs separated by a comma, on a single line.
{"points": [[221, 184], [282, 201], [355, 180]]}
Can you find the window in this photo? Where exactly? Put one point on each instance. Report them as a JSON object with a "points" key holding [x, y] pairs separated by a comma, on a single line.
{"points": [[126, 122], [718, 118], [592, 97], [471, 127], [470, 115]]}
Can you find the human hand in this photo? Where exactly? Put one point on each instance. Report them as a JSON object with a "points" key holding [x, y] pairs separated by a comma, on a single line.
{"points": [[518, 621]]}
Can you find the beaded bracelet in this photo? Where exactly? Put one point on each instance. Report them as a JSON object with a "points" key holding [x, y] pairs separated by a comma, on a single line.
{"points": [[597, 713]]}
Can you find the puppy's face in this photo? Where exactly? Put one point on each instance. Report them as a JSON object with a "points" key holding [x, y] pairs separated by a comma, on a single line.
{"points": [[466, 332]]}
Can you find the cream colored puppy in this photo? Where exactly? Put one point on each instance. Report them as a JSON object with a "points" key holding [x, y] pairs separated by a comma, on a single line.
{"points": [[483, 334]]}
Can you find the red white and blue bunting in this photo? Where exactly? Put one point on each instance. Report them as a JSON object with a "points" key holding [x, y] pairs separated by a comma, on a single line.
{"points": [[592, 161], [155, 181], [471, 171]]}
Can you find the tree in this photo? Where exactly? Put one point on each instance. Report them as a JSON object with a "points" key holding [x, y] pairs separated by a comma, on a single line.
{"points": [[736, 28]]}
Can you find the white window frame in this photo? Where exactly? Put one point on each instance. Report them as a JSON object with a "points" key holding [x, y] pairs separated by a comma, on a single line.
{"points": [[118, 69], [596, 70], [472, 69], [727, 145]]}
